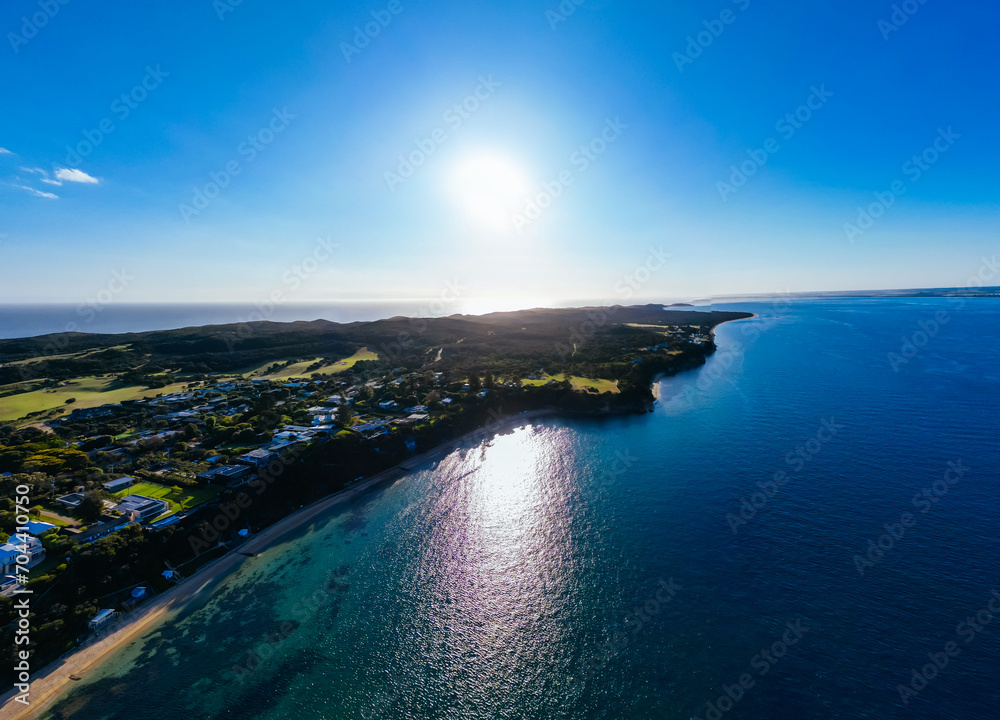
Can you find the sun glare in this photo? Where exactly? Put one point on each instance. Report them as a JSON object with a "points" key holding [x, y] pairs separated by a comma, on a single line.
{"points": [[490, 188]]}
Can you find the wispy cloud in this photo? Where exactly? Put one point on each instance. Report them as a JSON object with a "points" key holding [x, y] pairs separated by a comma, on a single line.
{"points": [[39, 193], [75, 175], [5, 151], [34, 170], [51, 182]]}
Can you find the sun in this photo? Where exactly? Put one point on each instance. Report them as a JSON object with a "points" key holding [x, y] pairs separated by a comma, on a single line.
{"points": [[490, 188]]}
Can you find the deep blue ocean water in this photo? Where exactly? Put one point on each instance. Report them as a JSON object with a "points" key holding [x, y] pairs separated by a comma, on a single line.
{"points": [[572, 569], [93, 316]]}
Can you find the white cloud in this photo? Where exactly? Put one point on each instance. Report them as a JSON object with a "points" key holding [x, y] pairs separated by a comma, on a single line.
{"points": [[34, 170], [74, 175], [5, 151], [51, 182], [39, 193]]}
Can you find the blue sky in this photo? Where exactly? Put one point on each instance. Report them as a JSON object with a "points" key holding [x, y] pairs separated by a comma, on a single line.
{"points": [[315, 118]]}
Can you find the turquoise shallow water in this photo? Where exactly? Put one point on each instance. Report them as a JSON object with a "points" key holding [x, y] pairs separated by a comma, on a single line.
{"points": [[591, 570]]}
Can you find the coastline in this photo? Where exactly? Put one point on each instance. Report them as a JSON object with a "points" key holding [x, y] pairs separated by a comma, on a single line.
{"points": [[52, 682]]}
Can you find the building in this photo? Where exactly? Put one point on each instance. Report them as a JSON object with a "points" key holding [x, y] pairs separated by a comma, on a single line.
{"points": [[71, 501], [388, 405], [91, 413], [229, 475], [101, 619], [418, 417], [257, 458], [20, 546], [96, 532], [120, 484], [138, 508], [138, 595]]}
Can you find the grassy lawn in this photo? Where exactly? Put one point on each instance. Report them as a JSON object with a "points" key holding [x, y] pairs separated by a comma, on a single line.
{"points": [[578, 383], [299, 369], [82, 353], [347, 363], [49, 518], [187, 498], [88, 391]]}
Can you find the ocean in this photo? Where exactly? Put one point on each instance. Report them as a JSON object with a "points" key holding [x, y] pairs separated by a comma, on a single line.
{"points": [[17, 321], [805, 527]]}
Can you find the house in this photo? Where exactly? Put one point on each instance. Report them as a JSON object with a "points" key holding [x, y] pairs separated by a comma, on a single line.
{"points": [[416, 408], [279, 446], [446, 401], [96, 532], [21, 545], [71, 501], [483, 393], [120, 484], [137, 596], [258, 458], [91, 413], [418, 417], [388, 405], [101, 619], [232, 475], [138, 508]]}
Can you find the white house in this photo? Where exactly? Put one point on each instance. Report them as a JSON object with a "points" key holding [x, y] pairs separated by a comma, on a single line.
{"points": [[121, 483], [101, 619], [389, 405], [139, 507], [31, 550]]}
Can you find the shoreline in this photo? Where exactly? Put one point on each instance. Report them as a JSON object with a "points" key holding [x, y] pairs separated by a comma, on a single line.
{"points": [[52, 681]]}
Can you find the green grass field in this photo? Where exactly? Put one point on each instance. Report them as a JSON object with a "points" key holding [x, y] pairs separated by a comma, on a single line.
{"points": [[299, 369], [578, 383], [88, 391], [188, 497], [50, 518]]}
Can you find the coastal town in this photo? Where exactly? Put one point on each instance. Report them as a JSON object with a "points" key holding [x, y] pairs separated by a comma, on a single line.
{"points": [[125, 499]]}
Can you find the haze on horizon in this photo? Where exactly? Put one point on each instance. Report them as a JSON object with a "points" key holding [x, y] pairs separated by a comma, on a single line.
{"points": [[222, 151]]}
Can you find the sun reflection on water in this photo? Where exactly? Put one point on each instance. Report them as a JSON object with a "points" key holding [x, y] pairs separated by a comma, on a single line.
{"points": [[499, 564]]}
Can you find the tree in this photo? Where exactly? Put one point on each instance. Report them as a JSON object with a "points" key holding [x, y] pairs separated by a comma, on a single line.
{"points": [[70, 401], [190, 431], [91, 507], [488, 379], [365, 393], [474, 384], [344, 416]]}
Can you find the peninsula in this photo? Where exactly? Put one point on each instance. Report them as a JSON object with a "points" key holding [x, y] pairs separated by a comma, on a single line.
{"points": [[141, 457]]}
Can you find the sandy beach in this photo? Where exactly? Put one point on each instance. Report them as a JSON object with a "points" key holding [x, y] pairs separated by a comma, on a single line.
{"points": [[53, 681]]}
